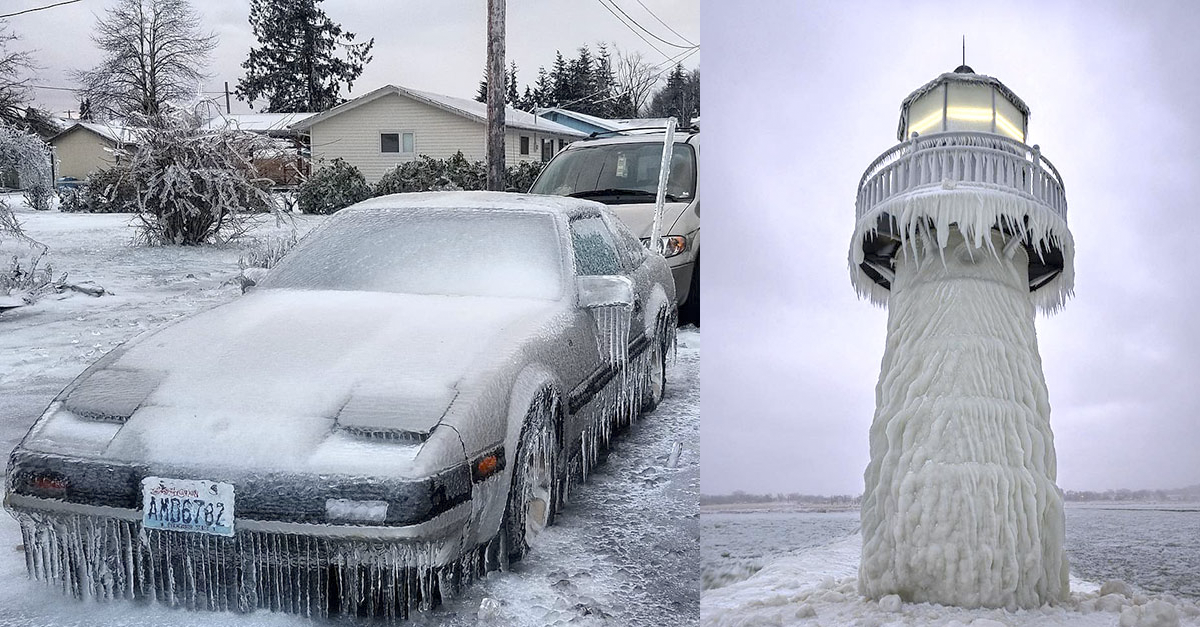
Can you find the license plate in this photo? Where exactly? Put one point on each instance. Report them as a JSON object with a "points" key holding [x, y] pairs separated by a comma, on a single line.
{"points": [[192, 505]]}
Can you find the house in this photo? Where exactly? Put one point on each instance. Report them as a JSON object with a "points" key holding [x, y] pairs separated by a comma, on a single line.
{"points": [[591, 124], [286, 166], [85, 147], [386, 127]]}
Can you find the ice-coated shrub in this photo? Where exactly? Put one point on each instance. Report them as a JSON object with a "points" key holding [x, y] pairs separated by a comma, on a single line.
{"points": [[110, 190], [521, 176], [28, 158], [333, 187], [425, 174], [39, 196], [195, 186], [73, 200], [267, 254]]}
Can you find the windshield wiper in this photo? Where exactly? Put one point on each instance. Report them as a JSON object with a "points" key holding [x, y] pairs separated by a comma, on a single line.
{"points": [[613, 191]]}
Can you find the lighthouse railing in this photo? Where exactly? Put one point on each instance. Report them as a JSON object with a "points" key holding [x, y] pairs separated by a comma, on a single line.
{"points": [[970, 159]]}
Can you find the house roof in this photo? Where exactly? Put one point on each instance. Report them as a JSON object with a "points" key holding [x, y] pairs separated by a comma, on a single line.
{"points": [[257, 122], [606, 123], [114, 133], [470, 109]]}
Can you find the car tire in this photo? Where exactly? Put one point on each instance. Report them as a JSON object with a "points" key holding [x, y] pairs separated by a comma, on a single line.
{"points": [[533, 496], [689, 311], [656, 386]]}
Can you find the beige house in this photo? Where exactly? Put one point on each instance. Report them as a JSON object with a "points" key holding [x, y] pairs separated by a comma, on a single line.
{"points": [[85, 147], [386, 127]]}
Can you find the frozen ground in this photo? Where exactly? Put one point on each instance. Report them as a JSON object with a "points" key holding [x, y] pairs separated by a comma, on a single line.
{"points": [[799, 569], [624, 551]]}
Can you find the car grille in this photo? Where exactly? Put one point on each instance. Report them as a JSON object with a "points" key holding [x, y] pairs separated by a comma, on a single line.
{"points": [[108, 558]]}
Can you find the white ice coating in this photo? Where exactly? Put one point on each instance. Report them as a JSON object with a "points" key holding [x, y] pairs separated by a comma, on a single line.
{"points": [[975, 211], [960, 506]]}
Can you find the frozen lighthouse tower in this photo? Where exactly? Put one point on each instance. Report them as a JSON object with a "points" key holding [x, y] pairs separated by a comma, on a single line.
{"points": [[962, 234]]}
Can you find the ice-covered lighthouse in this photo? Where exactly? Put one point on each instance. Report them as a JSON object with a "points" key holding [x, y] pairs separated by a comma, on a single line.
{"points": [[962, 234]]}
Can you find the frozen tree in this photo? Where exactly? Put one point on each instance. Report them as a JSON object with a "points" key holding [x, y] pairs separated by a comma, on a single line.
{"points": [[296, 66], [197, 186], [634, 80], [154, 55], [13, 65]]}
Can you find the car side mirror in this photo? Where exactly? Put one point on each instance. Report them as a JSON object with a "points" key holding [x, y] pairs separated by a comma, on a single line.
{"points": [[604, 291], [251, 277]]}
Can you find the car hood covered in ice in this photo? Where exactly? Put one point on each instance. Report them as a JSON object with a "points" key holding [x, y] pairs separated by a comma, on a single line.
{"points": [[640, 217], [259, 382]]}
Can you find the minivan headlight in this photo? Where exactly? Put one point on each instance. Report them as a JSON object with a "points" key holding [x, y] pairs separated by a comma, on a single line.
{"points": [[669, 245]]}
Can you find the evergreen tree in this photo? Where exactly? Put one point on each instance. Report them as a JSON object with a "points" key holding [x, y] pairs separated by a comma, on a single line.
{"points": [[559, 81], [510, 80], [296, 66], [680, 97], [543, 89]]}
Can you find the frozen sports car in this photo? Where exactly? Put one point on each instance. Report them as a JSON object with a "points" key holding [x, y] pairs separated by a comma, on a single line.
{"points": [[397, 407]]}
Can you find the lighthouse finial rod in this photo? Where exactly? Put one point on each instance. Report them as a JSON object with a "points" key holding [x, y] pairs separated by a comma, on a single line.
{"points": [[964, 50]]}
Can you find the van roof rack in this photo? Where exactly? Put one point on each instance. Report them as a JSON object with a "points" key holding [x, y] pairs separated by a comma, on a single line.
{"points": [[691, 129]]}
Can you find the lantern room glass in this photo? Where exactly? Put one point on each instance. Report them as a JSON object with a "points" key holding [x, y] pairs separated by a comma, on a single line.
{"points": [[965, 106]]}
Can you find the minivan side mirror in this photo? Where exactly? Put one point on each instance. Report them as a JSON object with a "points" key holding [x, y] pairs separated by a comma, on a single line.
{"points": [[604, 291]]}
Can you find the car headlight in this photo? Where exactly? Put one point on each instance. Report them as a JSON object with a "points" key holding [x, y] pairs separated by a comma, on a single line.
{"points": [[669, 245], [111, 395]]}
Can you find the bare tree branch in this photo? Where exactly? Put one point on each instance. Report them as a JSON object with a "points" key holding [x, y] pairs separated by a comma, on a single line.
{"points": [[635, 79], [154, 57]]}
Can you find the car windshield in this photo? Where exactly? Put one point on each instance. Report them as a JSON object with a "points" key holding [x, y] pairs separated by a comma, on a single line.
{"points": [[429, 251], [627, 170]]}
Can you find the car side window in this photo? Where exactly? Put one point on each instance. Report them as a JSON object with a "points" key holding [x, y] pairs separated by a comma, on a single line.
{"points": [[595, 248], [632, 250]]}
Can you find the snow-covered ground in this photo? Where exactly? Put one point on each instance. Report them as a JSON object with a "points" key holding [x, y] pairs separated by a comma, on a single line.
{"points": [[624, 552], [815, 583]]}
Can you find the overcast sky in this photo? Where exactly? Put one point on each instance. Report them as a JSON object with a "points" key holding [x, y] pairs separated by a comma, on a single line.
{"points": [[431, 45], [800, 97]]}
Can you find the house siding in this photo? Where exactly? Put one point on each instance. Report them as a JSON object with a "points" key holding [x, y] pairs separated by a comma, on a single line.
{"points": [[353, 136], [82, 152]]}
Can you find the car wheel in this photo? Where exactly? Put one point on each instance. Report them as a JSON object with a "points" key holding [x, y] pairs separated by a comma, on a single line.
{"points": [[689, 311], [532, 499], [656, 384]]}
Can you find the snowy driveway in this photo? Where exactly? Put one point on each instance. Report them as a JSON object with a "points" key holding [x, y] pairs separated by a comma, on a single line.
{"points": [[623, 552]]}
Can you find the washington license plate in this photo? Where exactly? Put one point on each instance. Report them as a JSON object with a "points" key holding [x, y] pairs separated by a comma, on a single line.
{"points": [[191, 505]]}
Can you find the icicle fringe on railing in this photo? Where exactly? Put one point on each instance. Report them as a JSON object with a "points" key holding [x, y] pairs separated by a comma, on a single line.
{"points": [[976, 210]]}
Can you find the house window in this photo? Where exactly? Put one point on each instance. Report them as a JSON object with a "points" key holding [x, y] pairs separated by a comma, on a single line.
{"points": [[524, 145], [562, 144], [400, 143], [389, 142], [547, 149]]}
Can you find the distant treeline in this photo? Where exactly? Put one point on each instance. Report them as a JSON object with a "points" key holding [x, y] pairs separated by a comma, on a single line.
{"points": [[1190, 494], [742, 498]]}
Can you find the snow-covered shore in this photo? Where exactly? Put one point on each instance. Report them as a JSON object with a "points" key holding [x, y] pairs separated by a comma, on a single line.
{"points": [[818, 587]]}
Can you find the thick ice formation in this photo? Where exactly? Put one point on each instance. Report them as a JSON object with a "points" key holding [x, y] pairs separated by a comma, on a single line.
{"points": [[960, 506]]}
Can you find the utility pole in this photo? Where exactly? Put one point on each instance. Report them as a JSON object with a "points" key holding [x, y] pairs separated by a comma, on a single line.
{"points": [[495, 96], [226, 97]]}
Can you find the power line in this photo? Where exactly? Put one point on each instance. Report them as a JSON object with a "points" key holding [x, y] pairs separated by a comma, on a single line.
{"points": [[644, 29], [43, 8], [635, 32], [664, 23]]}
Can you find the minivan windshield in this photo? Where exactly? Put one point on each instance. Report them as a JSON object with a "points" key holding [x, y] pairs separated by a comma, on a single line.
{"points": [[619, 172]]}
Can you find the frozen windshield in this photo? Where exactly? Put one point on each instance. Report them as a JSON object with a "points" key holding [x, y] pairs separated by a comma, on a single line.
{"points": [[429, 251], [626, 170]]}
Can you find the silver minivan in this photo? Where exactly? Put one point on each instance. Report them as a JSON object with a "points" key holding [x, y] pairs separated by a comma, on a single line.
{"points": [[621, 171]]}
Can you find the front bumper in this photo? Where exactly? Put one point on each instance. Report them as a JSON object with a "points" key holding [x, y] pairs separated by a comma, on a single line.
{"points": [[89, 540], [316, 573]]}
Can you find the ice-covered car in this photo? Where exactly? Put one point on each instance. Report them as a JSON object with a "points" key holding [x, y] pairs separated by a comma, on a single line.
{"points": [[622, 171], [398, 406]]}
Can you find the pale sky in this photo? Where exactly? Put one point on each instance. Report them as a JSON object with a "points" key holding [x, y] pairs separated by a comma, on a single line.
{"points": [[800, 97], [431, 45]]}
